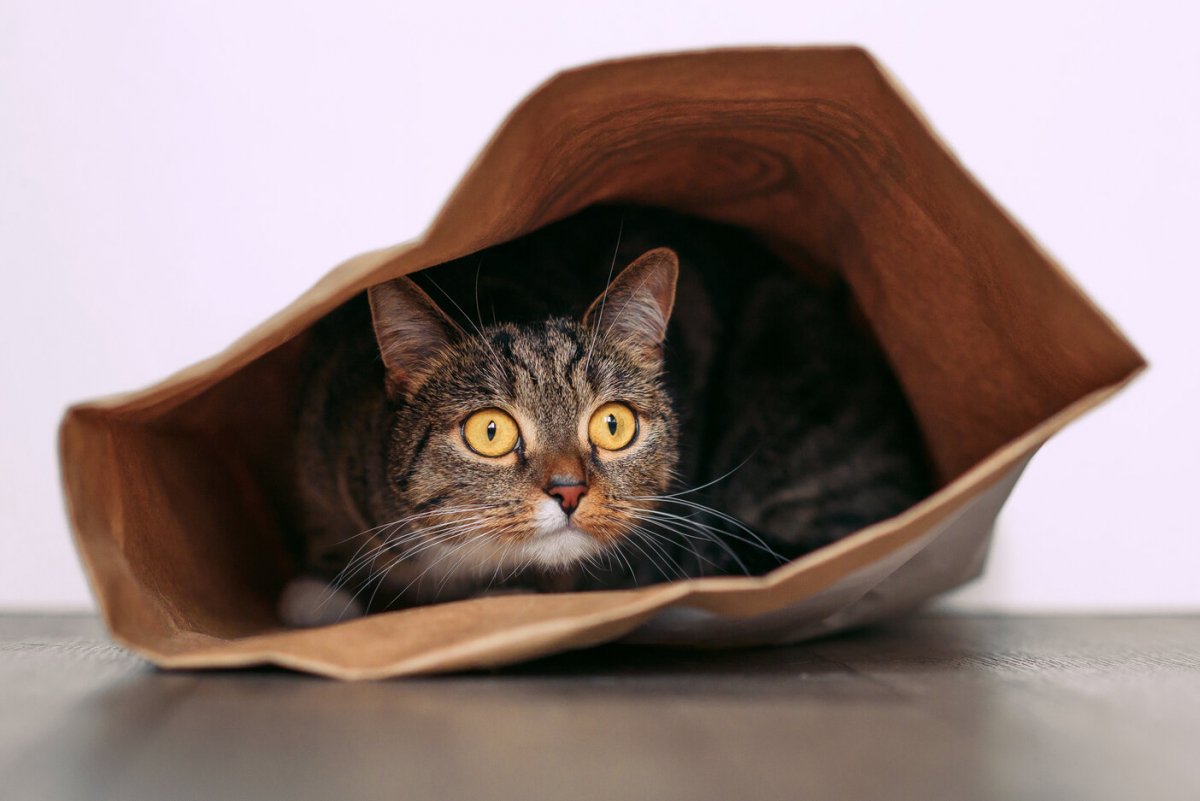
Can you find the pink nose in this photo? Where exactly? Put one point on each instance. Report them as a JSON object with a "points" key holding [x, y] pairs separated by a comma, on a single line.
{"points": [[568, 495]]}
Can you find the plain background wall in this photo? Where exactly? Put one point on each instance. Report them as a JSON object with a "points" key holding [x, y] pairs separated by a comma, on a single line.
{"points": [[172, 173]]}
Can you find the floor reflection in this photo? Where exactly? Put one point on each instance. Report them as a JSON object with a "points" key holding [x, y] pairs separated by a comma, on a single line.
{"points": [[604, 715], [941, 707]]}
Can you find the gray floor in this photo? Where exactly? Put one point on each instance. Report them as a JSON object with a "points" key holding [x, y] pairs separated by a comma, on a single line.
{"points": [[930, 708]]}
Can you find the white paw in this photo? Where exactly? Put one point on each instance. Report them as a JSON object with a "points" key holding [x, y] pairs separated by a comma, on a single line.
{"points": [[306, 602]]}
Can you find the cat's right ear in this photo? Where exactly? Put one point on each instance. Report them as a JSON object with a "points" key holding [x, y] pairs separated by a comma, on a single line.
{"points": [[637, 304], [411, 331]]}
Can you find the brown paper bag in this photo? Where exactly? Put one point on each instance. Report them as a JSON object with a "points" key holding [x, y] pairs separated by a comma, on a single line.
{"points": [[178, 494]]}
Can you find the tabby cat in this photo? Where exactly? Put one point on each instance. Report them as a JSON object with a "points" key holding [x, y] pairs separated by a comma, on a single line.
{"points": [[708, 410]]}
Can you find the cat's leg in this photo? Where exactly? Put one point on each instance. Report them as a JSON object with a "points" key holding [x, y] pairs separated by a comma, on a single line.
{"points": [[326, 590], [308, 601]]}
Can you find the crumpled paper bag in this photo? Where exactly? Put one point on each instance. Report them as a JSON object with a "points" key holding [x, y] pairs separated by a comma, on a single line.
{"points": [[179, 494]]}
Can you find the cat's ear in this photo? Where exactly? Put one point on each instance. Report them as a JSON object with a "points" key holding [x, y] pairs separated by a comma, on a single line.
{"points": [[411, 331], [637, 304]]}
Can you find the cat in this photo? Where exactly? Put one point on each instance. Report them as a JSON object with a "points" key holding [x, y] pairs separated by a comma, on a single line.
{"points": [[709, 410]]}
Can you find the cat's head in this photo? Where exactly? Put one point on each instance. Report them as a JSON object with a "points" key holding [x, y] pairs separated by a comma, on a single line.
{"points": [[529, 445]]}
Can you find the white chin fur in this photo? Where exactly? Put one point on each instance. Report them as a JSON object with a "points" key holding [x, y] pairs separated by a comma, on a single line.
{"points": [[557, 543]]}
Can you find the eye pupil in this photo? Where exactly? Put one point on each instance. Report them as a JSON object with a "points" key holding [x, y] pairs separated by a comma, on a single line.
{"points": [[612, 427], [491, 430]]}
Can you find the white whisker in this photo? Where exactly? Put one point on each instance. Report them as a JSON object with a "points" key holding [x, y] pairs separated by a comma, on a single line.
{"points": [[604, 297]]}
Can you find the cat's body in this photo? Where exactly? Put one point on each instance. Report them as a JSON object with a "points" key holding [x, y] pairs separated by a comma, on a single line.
{"points": [[766, 402]]}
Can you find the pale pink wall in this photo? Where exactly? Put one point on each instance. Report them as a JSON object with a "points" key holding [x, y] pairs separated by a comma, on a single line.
{"points": [[153, 156]]}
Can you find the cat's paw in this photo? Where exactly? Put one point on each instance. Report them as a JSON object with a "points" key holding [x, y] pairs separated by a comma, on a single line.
{"points": [[306, 602]]}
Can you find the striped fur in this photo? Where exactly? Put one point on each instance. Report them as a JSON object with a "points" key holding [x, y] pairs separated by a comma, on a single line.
{"points": [[765, 382]]}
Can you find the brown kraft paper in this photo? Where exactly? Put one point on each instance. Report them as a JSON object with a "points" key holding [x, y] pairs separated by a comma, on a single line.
{"points": [[178, 495]]}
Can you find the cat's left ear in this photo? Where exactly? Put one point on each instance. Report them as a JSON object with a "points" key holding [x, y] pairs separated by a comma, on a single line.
{"points": [[637, 304], [411, 331]]}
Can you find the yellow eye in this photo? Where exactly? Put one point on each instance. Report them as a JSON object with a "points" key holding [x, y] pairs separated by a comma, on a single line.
{"points": [[612, 427], [491, 432]]}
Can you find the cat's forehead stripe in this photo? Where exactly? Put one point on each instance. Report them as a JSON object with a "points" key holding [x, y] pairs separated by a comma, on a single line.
{"points": [[503, 344], [543, 357], [552, 371]]}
